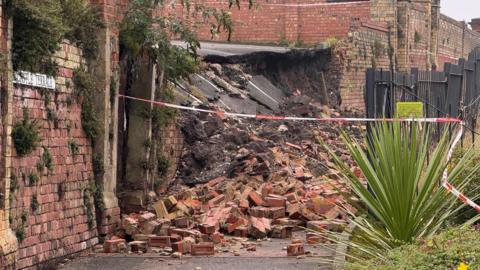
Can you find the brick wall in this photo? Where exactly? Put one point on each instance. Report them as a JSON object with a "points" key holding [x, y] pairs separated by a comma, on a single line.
{"points": [[171, 147], [418, 38], [58, 226], [456, 40], [277, 20], [366, 47]]}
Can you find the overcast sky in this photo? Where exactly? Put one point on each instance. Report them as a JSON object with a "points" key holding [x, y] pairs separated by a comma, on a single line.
{"points": [[461, 9]]}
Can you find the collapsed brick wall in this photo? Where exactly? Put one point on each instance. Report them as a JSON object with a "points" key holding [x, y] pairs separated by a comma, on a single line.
{"points": [[51, 209]]}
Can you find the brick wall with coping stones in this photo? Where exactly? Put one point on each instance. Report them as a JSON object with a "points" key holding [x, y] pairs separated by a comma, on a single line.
{"points": [[59, 226]]}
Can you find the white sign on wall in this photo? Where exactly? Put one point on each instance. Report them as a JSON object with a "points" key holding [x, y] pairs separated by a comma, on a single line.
{"points": [[34, 79]]}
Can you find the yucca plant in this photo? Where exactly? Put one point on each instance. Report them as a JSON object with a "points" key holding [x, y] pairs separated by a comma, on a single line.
{"points": [[404, 200]]}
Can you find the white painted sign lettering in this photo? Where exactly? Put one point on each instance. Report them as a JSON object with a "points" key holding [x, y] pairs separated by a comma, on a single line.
{"points": [[34, 79]]}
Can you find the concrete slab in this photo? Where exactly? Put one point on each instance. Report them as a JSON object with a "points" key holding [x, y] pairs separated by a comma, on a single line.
{"points": [[238, 105], [208, 89], [265, 93]]}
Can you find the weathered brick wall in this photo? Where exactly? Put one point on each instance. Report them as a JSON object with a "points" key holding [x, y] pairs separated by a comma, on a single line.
{"points": [[366, 47], [279, 21], [171, 147], [418, 38], [60, 224], [456, 40]]}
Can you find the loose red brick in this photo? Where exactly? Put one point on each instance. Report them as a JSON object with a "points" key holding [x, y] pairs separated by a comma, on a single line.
{"points": [[255, 198], [215, 181], [275, 201], [201, 249], [232, 226], [159, 241], [216, 201], [207, 229], [112, 246], [183, 246], [295, 250]]}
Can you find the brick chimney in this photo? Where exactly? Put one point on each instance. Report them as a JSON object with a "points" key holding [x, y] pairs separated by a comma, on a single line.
{"points": [[475, 24]]}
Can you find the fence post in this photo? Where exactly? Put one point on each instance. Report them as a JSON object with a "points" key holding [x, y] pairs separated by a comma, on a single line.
{"points": [[370, 93]]}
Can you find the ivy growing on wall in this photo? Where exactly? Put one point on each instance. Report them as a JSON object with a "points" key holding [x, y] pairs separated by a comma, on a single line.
{"points": [[85, 90], [40, 26]]}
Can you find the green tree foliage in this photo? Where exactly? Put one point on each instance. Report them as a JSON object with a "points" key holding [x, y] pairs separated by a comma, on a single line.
{"points": [[405, 201], [144, 34]]}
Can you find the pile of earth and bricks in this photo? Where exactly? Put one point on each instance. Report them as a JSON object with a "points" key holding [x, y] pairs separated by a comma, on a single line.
{"points": [[244, 182], [259, 190]]}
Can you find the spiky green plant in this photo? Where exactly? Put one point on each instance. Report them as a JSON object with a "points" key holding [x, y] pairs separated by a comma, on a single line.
{"points": [[404, 200]]}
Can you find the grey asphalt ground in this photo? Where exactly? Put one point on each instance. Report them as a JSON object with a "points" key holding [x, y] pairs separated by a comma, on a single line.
{"points": [[191, 263], [229, 49]]}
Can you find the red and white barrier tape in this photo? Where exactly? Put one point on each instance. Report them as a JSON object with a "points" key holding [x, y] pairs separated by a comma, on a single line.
{"points": [[293, 118], [446, 184], [222, 114]]}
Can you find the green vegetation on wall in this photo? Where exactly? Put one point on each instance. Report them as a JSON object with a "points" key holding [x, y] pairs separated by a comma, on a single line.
{"points": [[85, 89], [26, 135], [40, 26]]}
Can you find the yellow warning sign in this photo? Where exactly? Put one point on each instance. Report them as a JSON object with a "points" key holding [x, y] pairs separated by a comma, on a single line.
{"points": [[410, 109]]}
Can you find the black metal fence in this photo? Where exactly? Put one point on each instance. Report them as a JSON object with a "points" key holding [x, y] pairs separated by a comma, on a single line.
{"points": [[454, 92]]}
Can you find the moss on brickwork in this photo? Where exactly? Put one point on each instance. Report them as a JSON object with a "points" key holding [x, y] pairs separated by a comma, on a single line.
{"points": [[92, 190], [97, 164], [32, 179], [26, 135], [163, 164], [34, 205], [20, 233], [73, 146], [46, 160]]}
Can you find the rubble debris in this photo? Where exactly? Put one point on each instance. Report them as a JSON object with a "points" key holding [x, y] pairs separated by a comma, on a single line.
{"points": [[241, 178]]}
